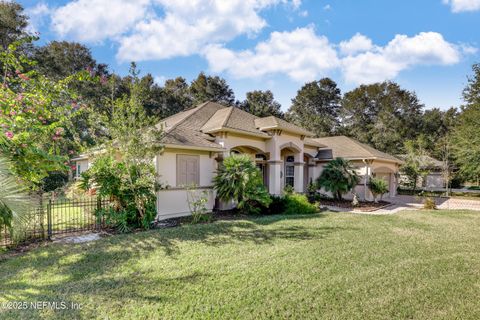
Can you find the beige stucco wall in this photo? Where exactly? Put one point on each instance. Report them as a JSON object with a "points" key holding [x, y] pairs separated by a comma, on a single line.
{"points": [[381, 169], [173, 201], [233, 140], [167, 166]]}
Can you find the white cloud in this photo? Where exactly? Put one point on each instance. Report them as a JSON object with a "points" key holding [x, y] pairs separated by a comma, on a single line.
{"points": [[327, 7], [303, 13], [463, 5], [189, 25], [300, 54], [303, 56], [358, 43], [96, 20], [381, 63], [37, 16], [159, 29]]}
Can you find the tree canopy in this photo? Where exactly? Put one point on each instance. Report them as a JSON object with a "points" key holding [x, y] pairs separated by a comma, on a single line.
{"points": [[211, 88], [13, 23], [261, 104], [316, 107], [382, 115]]}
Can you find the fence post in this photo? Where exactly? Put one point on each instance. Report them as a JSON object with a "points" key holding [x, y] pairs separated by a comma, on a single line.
{"points": [[49, 219], [98, 216]]}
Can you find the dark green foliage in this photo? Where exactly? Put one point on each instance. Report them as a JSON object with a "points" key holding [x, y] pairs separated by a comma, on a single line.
{"points": [[60, 59], [316, 107], [292, 203], [238, 179], [173, 98], [207, 88], [261, 104], [338, 177], [382, 115], [466, 134], [435, 128], [13, 23], [54, 181], [277, 205]]}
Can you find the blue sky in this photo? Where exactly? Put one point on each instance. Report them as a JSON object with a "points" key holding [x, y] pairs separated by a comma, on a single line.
{"points": [[427, 46]]}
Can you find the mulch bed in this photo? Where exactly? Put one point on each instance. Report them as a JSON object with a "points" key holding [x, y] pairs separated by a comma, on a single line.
{"points": [[362, 206]]}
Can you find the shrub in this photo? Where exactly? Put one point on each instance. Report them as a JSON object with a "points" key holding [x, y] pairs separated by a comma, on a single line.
{"points": [[240, 180], [288, 189], [298, 204], [429, 203], [130, 188], [197, 203], [377, 187], [338, 177], [277, 205]]}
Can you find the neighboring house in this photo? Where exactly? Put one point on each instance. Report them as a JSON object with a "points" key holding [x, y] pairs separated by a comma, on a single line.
{"points": [[369, 163], [434, 178], [197, 140], [82, 164]]}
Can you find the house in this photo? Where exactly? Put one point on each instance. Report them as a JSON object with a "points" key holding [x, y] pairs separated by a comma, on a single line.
{"points": [[197, 140], [434, 178], [368, 161]]}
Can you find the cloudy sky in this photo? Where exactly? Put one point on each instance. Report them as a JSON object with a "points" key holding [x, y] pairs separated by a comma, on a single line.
{"points": [[425, 45]]}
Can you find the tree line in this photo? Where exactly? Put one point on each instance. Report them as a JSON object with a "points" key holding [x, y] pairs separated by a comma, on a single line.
{"points": [[383, 115]]}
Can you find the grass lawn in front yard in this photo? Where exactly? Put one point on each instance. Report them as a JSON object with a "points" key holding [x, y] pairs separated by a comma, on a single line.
{"points": [[416, 264]]}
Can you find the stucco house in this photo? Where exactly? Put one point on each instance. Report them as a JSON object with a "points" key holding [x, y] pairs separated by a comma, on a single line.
{"points": [[196, 141]]}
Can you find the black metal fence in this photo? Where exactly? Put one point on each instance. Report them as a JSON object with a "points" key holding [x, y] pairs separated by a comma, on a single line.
{"points": [[56, 218]]}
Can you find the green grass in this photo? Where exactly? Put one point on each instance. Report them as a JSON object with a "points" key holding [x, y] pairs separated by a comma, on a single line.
{"points": [[412, 265]]}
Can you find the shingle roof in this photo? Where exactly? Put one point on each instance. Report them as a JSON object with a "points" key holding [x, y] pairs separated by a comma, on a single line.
{"points": [[235, 119], [313, 143], [184, 128], [192, 127], [348, 148], [273, 122]]}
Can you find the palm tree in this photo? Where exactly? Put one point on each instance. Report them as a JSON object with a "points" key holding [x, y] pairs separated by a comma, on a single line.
{"points": [[338, 177], [15, 203]]}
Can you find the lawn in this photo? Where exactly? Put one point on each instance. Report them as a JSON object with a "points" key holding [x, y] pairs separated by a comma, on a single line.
{"points": [[415, 265]]}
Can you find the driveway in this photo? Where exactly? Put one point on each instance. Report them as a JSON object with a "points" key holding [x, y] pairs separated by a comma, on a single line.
{"points": [[401, 203]]}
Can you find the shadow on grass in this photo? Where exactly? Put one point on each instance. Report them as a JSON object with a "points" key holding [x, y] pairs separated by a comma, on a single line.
{"points": [[89, 269]]}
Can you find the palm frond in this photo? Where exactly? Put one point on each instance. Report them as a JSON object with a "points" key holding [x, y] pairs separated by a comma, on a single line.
{"points": [[15, 202]]}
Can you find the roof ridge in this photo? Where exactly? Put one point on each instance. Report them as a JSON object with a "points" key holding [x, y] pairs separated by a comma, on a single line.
{"points": [[227, 117], [200, 106]]}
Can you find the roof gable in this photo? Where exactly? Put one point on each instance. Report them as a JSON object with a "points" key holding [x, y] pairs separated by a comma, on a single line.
{"points": [[272, 122]]}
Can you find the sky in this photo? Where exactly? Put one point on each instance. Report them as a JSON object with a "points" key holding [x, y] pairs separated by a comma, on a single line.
{"points": [[426, 46]]}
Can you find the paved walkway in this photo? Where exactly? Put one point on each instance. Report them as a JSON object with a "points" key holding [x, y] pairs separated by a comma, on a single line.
{"points": [[401, 203]]}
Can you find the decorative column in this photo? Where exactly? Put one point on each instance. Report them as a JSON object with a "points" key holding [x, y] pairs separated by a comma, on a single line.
{"points": [[298, 181], [275, 164]]}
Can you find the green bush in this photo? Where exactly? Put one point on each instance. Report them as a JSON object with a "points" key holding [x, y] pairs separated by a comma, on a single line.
{"points": [[298, 204], [377, 187], [338, 177], [277, 205], [240, 180], [130, 188]]}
